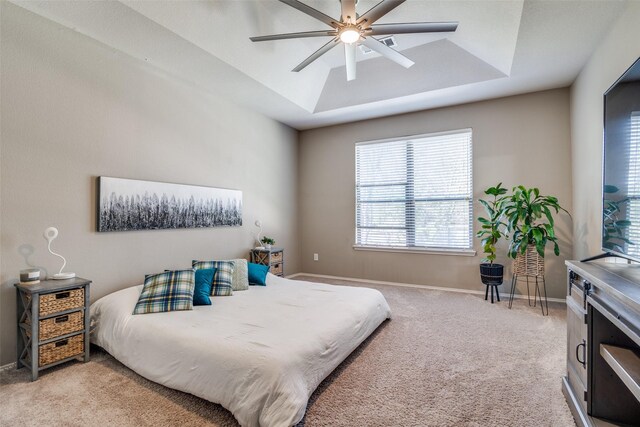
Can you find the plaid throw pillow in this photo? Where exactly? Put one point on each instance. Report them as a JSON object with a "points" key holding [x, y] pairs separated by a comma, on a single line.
{"points": [[222, 279], [168, 291]]}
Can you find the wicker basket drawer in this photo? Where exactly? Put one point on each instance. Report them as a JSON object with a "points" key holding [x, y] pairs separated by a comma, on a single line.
{"points": [[276, 269], [61, 349], [61, 325], [61, 301], [276, 257]]}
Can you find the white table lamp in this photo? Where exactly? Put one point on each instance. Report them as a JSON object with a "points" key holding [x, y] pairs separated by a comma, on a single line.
{"points": [[50, 234], [259, 225]]}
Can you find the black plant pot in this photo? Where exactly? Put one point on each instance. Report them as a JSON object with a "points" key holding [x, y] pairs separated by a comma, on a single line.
{"points": [[491, 274]]}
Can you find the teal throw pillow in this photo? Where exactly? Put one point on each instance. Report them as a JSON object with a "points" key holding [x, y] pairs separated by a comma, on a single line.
{"points": [[258, 274], [204, 280], [168, 291]]}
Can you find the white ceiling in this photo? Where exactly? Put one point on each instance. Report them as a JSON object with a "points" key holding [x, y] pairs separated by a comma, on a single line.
{"points": [[501, 48]]}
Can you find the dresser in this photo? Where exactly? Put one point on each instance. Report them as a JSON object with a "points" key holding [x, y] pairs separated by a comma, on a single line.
{"points": [[273, 257], [602, 382], [53, 323]]}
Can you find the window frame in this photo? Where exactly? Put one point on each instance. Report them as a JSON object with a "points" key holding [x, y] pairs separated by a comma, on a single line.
{"points": [[415, 249]]}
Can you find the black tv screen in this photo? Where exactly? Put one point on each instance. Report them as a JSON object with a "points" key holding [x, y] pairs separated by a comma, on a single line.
{"points": [[621, 180]]}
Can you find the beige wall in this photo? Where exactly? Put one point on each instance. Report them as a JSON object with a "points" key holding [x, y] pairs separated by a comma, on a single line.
{"points": [[72, 110], [517, 140], [614, 55]]}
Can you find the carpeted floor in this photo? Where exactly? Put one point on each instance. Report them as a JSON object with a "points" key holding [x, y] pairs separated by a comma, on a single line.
{"points": [[445, 359]]}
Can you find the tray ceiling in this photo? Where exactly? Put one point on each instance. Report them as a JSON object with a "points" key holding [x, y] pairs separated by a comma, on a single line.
{"points": [[501, 48]]}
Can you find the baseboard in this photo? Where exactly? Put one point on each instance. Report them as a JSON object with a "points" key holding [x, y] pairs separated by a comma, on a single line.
{"points": [[7, 367], [409, 285]]}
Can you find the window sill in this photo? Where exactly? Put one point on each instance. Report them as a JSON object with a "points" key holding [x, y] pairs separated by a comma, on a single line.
{"points": [[431, 251]]}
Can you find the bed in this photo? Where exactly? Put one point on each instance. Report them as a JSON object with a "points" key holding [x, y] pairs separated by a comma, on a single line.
{"points": [[259, 353]]}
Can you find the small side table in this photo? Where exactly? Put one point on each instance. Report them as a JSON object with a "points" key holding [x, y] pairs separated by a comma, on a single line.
{"points": [[273, 257], [53, 323]]}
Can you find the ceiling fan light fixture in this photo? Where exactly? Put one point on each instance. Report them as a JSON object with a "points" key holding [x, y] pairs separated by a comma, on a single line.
{"points": [[349, 35]]}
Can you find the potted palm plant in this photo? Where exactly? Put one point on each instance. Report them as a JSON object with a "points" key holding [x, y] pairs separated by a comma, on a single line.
{"points": [[490, 233], [530, 224]]}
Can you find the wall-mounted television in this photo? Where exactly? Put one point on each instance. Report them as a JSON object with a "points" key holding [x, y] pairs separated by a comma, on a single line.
{"points": [[621, 166]]}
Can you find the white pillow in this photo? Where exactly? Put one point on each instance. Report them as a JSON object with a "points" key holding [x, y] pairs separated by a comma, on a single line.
{"points": [[240, 280]]}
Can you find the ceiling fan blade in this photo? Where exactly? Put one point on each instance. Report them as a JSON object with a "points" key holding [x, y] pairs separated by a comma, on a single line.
{"points": [[411, 27], [386, 51], [348, 11], [325, 33], [317, 54], [378, 11], [350, 60], [312, 12]]}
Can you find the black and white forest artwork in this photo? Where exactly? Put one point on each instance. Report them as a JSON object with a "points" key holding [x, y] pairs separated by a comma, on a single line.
{"points": [[129, 204]]}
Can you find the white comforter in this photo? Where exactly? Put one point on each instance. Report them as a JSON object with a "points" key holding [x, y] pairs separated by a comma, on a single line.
{"points": [[259, 353]]}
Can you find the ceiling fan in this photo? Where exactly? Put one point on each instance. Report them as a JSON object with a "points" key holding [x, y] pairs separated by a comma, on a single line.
{"points": [[352, 29]]}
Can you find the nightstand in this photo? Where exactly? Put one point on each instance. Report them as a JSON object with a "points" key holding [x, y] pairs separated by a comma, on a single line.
{"points": [[53, 323], [273, 257]]}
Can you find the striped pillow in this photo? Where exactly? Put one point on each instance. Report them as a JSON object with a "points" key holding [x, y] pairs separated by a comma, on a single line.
{"points": [[222, 280], [168, 291]]}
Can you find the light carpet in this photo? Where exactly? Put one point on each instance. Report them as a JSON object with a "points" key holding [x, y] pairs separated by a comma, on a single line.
{"points": [[445, 359]]}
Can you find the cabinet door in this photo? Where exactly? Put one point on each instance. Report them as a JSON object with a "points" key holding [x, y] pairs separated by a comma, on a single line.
{"points": [[577, 350]]}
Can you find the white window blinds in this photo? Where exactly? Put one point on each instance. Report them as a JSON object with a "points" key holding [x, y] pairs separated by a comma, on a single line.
{"points": [[633, 190], [415, 192]]}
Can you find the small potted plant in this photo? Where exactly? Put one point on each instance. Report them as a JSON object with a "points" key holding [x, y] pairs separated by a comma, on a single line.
{"points": [[490, 233], [267, 242]]}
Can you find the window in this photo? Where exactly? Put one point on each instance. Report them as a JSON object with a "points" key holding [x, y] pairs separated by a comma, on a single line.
{"points": [[633, 191], [415, 192]]}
